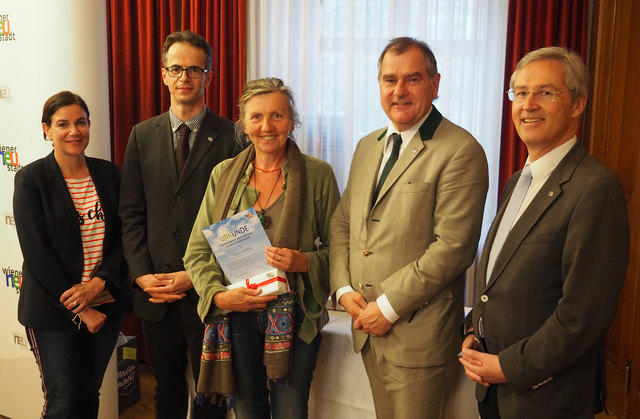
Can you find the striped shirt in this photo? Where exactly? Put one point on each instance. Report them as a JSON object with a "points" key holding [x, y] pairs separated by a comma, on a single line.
{"points": [[92, 229]]}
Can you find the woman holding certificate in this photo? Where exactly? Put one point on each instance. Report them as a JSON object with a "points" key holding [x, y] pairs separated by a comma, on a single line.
{"points": [[274, 339]]}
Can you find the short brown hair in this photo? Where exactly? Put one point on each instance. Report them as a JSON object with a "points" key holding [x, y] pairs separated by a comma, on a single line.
{"points": [[192, 38], [59, 100]]}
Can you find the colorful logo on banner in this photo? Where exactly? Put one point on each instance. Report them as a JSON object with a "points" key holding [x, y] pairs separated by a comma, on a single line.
{"points": [[13, 278], [5, 29], [9, 158]]}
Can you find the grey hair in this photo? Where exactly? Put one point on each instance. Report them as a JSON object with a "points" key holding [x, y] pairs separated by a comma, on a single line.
{"points": [[576, 75], [263, 87], [398, 46]]}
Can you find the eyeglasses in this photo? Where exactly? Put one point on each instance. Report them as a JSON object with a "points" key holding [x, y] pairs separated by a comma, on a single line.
{"points": [[519, 96], [192, 72]]}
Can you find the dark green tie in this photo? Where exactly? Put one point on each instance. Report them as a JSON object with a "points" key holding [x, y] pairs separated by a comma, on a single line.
{"points": [[395, 151]]}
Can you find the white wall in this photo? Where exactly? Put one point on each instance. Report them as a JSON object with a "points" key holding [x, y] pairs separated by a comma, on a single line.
{"points": [[45, 47]]}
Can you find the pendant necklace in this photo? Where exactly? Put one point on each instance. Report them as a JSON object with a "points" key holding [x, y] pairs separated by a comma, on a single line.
{"points": [[265, 220]]}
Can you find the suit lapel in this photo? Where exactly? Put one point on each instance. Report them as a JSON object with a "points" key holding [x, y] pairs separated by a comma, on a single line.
{"points": [[413, 149], [546, 196], [205, 138], [370, 171], [491, 235], [67, 209], [167, 155], [550, 192], [408, 155]]}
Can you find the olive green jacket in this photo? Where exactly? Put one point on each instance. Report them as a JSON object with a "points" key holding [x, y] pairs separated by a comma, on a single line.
{"points": [[321, 196]]}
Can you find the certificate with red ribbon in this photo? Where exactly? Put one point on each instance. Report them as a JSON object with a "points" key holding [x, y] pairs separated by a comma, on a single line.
{"points": [[273, 282], [239, 243]]}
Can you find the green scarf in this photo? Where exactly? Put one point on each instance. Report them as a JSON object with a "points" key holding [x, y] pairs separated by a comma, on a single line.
{"points": [[216, 374]]}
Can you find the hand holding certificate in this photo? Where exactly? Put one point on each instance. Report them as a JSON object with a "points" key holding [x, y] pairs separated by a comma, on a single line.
{"points": [[239, 243]]}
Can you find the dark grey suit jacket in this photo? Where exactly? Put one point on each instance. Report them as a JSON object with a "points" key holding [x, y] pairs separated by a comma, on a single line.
{"points": [[554, 290], [158, 208]]}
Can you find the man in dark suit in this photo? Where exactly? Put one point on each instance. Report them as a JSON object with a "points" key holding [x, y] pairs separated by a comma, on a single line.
{"points": [[400, 246], [554, 260], [166, 169]]}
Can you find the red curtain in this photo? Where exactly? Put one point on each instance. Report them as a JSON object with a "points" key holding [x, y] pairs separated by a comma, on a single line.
{"points": [[136, 31], [535, 24], [223, 23]]}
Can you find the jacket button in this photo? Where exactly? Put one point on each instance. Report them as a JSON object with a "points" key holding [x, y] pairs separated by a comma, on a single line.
{"points": [[178, 198], [484, 298], [176, 232], [366, 252]]}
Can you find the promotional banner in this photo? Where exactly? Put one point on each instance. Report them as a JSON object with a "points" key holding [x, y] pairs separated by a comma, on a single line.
{"points": [[46, 47]]}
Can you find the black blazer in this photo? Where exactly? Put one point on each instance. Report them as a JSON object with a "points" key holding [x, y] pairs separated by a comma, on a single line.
{"points": [[49, 236], [158, 208]]}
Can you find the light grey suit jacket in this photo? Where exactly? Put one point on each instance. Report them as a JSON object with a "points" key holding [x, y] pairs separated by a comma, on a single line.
{"points": [[416, 241], [554, 289]]}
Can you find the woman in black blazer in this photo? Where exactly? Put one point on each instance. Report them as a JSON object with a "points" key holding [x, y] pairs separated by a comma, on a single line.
{"points": [[74, 287]]}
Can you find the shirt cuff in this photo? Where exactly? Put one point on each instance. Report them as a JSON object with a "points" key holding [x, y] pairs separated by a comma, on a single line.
{"points": [[386, 309], [342, 291]]}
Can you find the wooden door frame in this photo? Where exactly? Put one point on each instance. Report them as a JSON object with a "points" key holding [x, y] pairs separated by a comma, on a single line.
{"points": [[612, 134]]}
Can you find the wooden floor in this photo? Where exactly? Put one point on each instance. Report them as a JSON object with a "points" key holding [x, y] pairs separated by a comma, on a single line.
{"points": [[144, 408]]}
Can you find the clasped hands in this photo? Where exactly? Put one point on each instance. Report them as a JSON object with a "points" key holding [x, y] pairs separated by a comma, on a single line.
{"points": [[166, 287], [77, 299], [367, 316], [480, 367]]}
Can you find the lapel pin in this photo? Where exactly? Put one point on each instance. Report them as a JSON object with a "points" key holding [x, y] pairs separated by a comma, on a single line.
{"points": [[550, 193], [210, 139]]}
